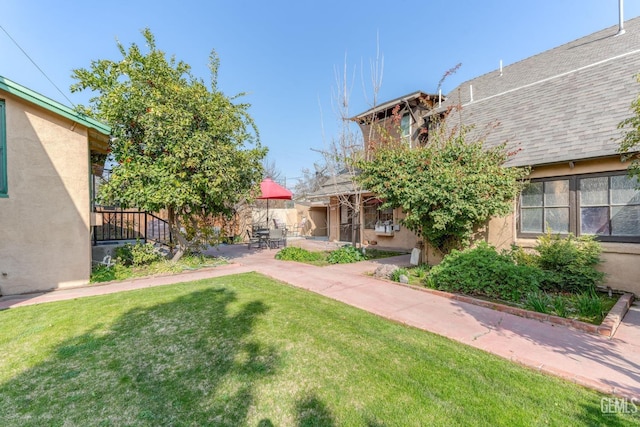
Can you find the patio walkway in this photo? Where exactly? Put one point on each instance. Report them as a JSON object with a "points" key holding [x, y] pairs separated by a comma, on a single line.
{"points": [[608, 365]]}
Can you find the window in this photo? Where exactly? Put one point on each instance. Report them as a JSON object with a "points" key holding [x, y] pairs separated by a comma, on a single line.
{"points": [[605, 205], [545, 206], [405, 127], [610, 206], [3, 152], [373, 214]]}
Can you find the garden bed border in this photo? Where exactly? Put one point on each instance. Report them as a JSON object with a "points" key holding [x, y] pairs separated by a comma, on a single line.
{"points": [[607, 328]]}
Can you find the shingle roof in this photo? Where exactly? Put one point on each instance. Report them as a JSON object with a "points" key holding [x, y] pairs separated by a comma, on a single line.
{"points": [[562, 104], [336, 185]]}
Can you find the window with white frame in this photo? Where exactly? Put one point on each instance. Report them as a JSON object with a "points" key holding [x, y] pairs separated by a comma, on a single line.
{"points": [[606, 205]]}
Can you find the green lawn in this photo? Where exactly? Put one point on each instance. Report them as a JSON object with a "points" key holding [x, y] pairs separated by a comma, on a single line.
{"points": [[246, 350]]}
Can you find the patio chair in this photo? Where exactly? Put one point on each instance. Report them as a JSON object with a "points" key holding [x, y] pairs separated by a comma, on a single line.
{"points": [[276, 238], [253, 240]]}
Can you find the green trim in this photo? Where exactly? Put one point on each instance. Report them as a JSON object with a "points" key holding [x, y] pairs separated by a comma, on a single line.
{"points": [[4, 188], [51, 105]]}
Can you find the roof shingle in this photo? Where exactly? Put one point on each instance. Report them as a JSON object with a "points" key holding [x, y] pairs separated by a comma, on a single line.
{"points": [[562, 104]]}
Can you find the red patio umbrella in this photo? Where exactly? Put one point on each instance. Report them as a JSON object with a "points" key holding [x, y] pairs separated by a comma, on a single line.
{"points": [[270, 189]]}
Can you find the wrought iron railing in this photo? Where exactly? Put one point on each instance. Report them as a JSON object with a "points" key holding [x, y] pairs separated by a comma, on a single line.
{"points": [[118, 224], [158, 229]]}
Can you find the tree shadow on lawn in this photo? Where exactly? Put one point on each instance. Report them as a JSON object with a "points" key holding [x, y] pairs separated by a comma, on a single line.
{"points": [[312, 412], [188, 361]]}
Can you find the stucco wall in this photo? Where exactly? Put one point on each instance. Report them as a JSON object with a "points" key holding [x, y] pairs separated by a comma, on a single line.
{"points": [[44, 223], [287, 216], [301, 220], [400, 239], [311, 221]]}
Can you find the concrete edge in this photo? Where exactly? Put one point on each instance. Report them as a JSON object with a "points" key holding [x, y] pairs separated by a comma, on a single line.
{"points": [[607, 328], [576, 379], [143, 278], [16, 300], [613, 319]]}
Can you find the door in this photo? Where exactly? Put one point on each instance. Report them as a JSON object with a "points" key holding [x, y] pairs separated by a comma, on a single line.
{"points": [[347, 222]]}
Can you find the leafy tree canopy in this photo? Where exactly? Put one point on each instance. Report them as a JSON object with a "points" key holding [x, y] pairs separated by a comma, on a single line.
{"points": [[447, 188], [179, 145]]}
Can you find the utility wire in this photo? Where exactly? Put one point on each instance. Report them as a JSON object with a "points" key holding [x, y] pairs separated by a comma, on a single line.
{"points": [[36, 65]]}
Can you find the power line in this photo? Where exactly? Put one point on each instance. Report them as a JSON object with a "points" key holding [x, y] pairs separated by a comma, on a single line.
{"points": [[36, 65]]}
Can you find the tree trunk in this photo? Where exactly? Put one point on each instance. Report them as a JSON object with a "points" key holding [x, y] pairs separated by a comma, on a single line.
{"points": [[181, 242], [355, 221]]}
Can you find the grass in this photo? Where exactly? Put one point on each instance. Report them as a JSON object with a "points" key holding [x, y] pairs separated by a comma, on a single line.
{"points": [[293, 253], [341, 255], [589, 307], [418, 274], [102, 273], [539, 301], [247, 350]]}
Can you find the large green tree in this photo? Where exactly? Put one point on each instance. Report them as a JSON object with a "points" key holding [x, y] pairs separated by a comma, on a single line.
{"points": [[179, 144], [447, 188]]}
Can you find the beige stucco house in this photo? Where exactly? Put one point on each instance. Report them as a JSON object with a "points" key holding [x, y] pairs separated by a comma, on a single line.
{"points": [[45, 192], [560, 109]]}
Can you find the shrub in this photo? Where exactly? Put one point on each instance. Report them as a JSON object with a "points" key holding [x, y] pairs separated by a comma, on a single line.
{"points": [[138, 254], [292, 253], [145, 254], [484, 271], [123, 254], [103, 273], [345, 255], [523, 257], [570, 263], [395, 275]]}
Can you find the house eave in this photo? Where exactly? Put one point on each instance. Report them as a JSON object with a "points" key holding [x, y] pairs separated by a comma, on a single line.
{"points": [[568, 160], [389, 104], [335, 194]]}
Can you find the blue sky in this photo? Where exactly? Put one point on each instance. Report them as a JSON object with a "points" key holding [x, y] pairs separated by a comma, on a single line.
{"points": [[283, 54]]}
